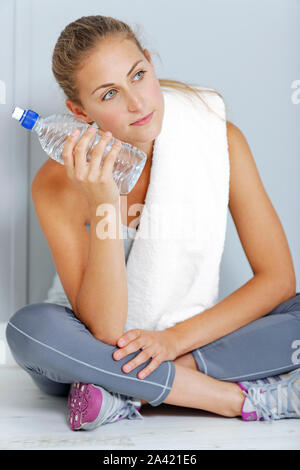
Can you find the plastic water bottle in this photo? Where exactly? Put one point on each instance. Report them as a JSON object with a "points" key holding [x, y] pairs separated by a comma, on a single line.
{"points": [[53, 131]]}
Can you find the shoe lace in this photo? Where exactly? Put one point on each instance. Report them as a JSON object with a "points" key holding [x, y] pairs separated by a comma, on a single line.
{"points": [[254, 394], [129, 409], [268, 399]]}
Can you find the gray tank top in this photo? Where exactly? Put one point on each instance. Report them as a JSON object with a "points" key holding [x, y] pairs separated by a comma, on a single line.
{"points": [[129, 234]]}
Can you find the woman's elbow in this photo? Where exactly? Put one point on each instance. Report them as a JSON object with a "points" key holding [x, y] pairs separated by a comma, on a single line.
{"points": [[107, 339], [109, 336], [291, 287]]}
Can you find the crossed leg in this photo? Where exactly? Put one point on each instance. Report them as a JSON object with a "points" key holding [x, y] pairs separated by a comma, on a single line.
{"points": [[187, 360]]}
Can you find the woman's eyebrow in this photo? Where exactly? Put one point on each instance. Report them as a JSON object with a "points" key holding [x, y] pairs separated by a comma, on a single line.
{"points": [[111, 84]]}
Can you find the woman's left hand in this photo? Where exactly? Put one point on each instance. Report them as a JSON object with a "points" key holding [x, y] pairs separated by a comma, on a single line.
{"points": [[159, 345]]}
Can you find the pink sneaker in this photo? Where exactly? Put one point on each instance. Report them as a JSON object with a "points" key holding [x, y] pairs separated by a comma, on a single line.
{"points": [[91, 405]]}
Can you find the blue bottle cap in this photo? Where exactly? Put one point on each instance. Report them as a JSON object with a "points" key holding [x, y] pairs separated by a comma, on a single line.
{"points": [[29, 119]]}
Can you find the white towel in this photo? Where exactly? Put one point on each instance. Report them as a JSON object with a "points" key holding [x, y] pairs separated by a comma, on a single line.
{"points": [[173, 266]]}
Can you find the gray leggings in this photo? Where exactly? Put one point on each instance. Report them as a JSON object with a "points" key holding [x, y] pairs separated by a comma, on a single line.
{"points": [[55, 348]]}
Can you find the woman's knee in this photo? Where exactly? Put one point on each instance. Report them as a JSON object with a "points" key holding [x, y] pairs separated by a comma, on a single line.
{"points": [[28, 322], [38, 328]]}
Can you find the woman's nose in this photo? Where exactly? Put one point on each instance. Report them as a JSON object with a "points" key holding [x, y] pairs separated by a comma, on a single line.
{"points": [[135, 103]]}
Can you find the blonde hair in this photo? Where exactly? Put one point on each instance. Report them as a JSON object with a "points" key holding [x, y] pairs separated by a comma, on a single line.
{"points": [[77, 41]]}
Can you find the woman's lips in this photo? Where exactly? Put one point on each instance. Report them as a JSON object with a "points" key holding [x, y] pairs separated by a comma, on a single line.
{"points": [[143, 121]]}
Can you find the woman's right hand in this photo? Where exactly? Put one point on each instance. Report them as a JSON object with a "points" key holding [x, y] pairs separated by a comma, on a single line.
{"points": [[96, 183]]}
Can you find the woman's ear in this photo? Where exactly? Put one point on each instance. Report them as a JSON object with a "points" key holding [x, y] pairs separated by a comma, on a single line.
{"points": [[78, 111]]}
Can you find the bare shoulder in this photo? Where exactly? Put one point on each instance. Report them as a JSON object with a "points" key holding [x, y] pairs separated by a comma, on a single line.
{"points": [[52, 185]]}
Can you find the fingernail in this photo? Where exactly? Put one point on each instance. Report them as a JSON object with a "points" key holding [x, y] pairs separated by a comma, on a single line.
{"points": [[91, 130], [118, 142], [75, 132], [109, 134]]}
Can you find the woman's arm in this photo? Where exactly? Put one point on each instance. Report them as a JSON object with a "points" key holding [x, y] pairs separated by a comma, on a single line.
{"points": [[103, 295], [265, 246], [92, 270]]}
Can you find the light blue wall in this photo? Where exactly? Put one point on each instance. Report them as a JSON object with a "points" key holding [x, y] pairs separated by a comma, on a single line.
{"points": [[247, 49]]}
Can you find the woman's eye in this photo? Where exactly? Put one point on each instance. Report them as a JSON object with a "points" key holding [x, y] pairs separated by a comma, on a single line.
{"points": [[103, 99], [141, 71]]}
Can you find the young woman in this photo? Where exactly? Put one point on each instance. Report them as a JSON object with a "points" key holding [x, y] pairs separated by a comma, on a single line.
{"points": [[218, 360]]}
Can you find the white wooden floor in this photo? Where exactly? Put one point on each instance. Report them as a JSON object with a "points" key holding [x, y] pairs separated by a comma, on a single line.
{"points": [[30, 419]]}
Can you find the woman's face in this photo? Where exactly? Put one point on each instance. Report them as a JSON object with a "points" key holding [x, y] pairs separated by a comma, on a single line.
{"points": [[132, 96]]}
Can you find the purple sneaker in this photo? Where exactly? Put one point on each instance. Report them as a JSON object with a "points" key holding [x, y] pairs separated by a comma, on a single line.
{"points": [[91, 405], [272, 398]]}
